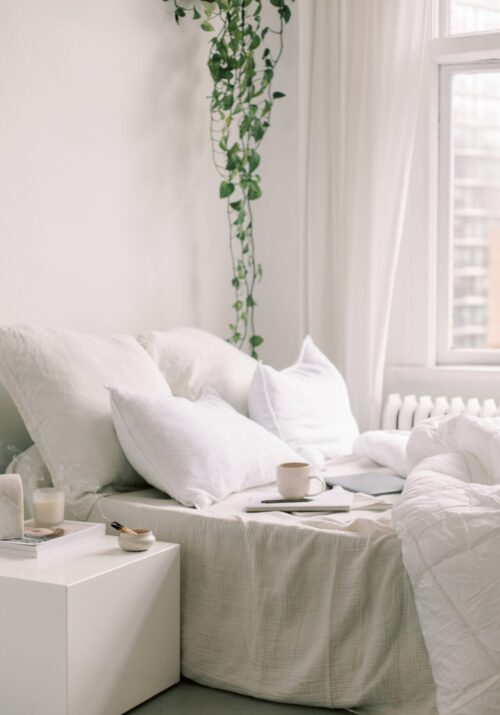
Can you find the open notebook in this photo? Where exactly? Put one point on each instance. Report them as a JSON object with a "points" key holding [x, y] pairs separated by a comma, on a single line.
{"points": [[331, 500]]}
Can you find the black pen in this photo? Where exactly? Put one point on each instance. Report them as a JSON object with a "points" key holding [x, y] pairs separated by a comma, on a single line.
{"points": [[283, 501]]}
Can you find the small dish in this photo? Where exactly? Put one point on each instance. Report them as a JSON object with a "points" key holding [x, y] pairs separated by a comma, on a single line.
{"points": [[142, 540]]}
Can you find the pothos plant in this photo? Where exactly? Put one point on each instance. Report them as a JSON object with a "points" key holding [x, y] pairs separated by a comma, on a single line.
{"points": [[243, 55]]}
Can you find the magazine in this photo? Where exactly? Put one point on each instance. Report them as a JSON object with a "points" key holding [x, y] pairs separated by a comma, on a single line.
{"points": [[330, 501], [38, 541]]}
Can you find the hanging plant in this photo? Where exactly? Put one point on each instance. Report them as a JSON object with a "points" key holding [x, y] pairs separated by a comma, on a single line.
{"points": [[242, 59]]}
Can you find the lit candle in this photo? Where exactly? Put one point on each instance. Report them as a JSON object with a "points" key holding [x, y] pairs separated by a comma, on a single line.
{"points": [[48, 506]]}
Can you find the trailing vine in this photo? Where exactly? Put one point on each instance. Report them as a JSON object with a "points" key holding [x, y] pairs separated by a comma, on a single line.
{"points": [[242, 59]]}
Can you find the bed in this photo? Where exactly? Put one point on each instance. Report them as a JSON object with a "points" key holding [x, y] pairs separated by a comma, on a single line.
{"points": [[316, 610]]}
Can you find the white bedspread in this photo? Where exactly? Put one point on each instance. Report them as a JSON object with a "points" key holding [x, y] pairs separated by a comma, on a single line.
{"points": [[312, 609], [448, 519]]}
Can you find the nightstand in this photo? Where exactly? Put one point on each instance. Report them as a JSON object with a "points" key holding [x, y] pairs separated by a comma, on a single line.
{"points": [[94, 631]]}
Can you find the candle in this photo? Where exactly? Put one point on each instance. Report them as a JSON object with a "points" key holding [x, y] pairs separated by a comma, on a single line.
{"points": [[48, 507], [11, 507]]}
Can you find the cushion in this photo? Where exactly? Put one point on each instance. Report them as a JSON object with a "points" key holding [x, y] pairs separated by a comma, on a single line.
{"points": [[192, 360], [34, 474], [197, 452], [56, 379], [306, 405]]}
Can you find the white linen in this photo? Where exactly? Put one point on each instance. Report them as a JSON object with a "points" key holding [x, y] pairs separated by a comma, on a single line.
{"points": [[198, 452], [34, 474], [304, 609], [448, 520], [56, 379], [306, 405], [192, 360], [360, 99], [386, 447]]}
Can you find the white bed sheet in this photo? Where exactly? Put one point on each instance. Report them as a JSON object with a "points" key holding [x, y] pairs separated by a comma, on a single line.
{"points": [[316, 610]]}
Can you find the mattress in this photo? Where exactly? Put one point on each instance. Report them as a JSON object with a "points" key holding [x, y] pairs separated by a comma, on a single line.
{"points": [[309, 609]]}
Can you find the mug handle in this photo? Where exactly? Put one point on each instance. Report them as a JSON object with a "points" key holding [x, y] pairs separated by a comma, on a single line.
{"points": [[322, 485]]}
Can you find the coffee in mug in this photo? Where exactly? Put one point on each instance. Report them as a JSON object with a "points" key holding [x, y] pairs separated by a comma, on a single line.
{"points": [[294, 480]]}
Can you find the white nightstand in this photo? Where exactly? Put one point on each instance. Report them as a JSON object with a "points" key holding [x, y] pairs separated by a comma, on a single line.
{"points": [[91, 632]]}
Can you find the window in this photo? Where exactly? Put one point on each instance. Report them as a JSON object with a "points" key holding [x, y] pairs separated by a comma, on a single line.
{"points": [[467, 16], [468, 294]]}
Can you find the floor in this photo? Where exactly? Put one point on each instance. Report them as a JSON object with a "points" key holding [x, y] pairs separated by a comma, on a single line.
{"points": [[188, 698]]}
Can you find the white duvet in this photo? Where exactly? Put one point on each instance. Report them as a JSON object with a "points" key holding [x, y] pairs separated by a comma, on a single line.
{"points": [[448, 520]]}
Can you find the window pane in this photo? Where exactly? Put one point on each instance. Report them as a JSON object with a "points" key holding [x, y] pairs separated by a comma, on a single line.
{"points": [[476, 209], [474, 16]]}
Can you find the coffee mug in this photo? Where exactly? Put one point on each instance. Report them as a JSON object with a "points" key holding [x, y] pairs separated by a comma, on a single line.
{"points": [[294, 479]]}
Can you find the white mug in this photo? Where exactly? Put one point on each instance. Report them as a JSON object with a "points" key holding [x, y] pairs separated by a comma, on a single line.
{"points": [[294, 479]]}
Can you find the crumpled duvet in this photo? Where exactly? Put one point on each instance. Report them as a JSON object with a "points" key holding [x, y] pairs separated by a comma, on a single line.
{"points": [[448, 520]]}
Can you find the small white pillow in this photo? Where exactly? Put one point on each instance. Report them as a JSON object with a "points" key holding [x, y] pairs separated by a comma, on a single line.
{"points": [[192, 360], [306, 405], [56, 379], [197, 452], [386, 447]]}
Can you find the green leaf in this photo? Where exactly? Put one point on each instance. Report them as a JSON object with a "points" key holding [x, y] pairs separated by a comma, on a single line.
{"points": [[253, 160], [227, 102], [254, 191], [255, 341], [285, 13], [278, 95], [250, 301], [196, 14], [179, 12], [277, 3], [236, 205], [207, 26], [226, 189], [235, 282]]}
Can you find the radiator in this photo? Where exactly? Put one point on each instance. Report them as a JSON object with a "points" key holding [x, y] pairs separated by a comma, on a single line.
{"points": [[404, 412]]}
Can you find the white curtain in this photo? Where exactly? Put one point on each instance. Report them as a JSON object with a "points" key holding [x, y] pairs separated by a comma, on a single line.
{"points": [[361, 68]]}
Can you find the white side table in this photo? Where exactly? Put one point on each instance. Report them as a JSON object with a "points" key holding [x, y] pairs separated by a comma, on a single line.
{"points": [[91, 632]]}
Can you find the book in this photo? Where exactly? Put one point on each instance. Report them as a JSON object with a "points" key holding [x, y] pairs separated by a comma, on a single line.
{"points": [[373, 483], [41, 541], [329, 501]]}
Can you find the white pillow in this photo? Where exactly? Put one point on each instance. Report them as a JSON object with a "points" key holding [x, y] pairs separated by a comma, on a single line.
{"points": [[191, 360], [34, 474], [306, 405], [56, 379], [197, 452]]}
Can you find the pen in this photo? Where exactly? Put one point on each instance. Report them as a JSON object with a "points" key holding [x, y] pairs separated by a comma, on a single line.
{"points": [[283, 501]]}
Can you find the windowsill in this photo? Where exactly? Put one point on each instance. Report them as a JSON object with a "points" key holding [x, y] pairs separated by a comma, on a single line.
{"points": [[482, 381]]}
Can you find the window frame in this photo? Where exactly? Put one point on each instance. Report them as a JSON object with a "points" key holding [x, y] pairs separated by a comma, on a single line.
{"points": [[450, 54], [446, 354]]}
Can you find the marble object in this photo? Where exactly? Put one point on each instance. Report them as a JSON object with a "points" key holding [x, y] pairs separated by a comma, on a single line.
{"points": [[11, 507]]}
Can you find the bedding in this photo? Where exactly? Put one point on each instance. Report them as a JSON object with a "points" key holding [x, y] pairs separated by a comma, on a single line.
{"points": [[386, 447], [56, 379], [192, 360], [197, 451], [304, 609], [448, 520], [306, 405]]}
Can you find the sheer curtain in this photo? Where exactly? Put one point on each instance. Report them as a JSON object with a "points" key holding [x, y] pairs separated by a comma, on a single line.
{"points": [[361, 68]]}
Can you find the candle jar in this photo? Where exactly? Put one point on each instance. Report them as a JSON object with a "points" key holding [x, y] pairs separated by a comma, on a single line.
{"points": [[48, 507]]}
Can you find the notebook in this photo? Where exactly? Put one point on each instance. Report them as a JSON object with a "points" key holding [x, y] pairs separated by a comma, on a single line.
{"points": [[373, 483], [329, 501]]}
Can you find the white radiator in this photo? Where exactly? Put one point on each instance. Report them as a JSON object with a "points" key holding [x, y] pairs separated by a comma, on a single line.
{"points": [[404, 412]]}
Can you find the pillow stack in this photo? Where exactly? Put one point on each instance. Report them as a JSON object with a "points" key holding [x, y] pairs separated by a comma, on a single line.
{"points": [[198, 446]]}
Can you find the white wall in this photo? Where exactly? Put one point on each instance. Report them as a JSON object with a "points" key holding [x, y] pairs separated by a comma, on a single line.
{"points": [[110, 217]]}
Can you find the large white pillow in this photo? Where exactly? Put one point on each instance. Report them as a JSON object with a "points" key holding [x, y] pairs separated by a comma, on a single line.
{"points": [[56, 379], [191, 360], [197, 452], [306, 405]]}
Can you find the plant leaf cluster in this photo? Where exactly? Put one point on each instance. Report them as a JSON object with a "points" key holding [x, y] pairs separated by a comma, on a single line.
{"points": [[243, 55]]}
